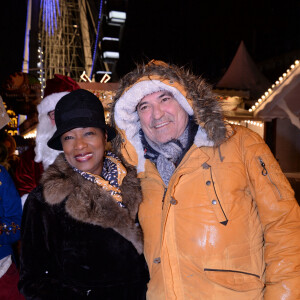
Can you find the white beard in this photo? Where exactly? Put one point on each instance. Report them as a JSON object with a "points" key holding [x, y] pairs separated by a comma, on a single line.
{"points": [[44, 132]]}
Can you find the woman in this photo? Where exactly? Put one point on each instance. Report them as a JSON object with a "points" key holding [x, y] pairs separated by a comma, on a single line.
{"points": [[79, 233]]}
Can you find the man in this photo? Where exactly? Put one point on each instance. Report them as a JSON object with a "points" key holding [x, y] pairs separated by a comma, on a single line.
{"points": [[34, 161], [220, 220]]}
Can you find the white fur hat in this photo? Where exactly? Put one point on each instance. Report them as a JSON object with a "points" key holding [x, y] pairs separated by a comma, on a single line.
{"points": [[49, 102]]}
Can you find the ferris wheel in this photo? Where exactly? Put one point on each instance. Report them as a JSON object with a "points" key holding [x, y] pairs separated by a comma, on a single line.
{"points": [[72, 36]]}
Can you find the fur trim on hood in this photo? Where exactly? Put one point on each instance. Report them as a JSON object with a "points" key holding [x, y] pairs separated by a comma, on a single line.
{"points": [[191, 92], [88, 203]]}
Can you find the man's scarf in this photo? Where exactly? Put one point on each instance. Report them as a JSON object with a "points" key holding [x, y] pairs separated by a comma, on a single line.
{"points": [[167, 156]]}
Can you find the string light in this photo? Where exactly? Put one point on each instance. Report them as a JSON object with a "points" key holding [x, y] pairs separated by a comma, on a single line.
{"points": [[40, 65], [30, 135], [251, 122], [280, 80]]}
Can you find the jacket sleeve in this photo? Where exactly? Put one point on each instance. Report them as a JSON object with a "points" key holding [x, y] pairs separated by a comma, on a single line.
{"points": [[11, 209], [279, 213], [39, 270]]}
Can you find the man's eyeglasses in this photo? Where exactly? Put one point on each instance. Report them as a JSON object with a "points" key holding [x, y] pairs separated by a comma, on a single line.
{"points": [[51, 115]]}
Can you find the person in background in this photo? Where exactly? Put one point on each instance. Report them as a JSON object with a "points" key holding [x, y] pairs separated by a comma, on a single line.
{"points": [[10, 221], [4, 156], [35, 160], [80, 238], [12, 157], [220, 220]]}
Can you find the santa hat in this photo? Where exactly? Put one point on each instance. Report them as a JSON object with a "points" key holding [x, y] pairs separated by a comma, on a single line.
{"points": [[56, 88], [49, 102]]}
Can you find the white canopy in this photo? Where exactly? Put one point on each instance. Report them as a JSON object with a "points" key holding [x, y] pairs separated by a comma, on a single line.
{"points": [[284, 100]]}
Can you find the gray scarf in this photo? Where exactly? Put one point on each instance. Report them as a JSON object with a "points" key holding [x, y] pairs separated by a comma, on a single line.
{"points": [[169, 153]]}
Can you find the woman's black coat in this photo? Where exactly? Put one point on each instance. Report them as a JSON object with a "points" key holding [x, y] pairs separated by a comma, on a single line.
{"points": [[77, 242]]}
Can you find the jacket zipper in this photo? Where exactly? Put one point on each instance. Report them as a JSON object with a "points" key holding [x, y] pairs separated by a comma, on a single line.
{"points": [[233, 271], [265, 172], [217, 195]]}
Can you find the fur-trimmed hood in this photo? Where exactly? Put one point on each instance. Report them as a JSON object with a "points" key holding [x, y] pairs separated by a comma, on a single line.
{"points": [[87, 202], [192, 93]]}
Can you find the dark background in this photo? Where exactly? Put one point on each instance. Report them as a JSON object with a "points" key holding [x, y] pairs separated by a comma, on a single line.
{"points": [[202, 35], [206, 34]]}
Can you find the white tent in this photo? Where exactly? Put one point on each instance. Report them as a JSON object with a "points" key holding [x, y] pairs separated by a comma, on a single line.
{"points": [[281, 104], [243, 74], [283, 101]]}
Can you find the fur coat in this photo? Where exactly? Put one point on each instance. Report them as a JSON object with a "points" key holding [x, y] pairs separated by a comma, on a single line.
{"points": [[78, 242]]}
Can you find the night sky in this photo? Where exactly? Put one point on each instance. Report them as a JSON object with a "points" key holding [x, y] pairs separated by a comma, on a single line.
{"points": [[202, 35], [205, 35], [12, 33]]}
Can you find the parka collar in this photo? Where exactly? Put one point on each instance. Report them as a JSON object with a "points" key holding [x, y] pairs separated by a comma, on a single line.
{"points": [[194, 96]]}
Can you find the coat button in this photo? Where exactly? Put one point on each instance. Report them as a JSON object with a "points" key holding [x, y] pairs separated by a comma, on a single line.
{"points": [[156, 260], [0, 183], [208, 182], [173, 201], [214, 202]]}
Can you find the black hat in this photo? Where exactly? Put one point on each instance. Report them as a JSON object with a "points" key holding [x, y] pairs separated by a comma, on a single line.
{"points": [[79, 108]]}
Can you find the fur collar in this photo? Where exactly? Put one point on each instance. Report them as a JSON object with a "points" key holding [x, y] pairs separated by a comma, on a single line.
{"points": [[88, 203]]}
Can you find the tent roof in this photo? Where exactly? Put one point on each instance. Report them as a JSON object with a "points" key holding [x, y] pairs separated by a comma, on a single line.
{"points": [[283, 101], [243, 74]]}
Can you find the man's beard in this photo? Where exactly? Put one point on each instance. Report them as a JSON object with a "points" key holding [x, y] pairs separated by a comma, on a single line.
{"points": [[44, 132]]}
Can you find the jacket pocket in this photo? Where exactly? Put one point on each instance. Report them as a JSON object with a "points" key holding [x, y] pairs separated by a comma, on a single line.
{"points": [[270, 170], [235, 280]]}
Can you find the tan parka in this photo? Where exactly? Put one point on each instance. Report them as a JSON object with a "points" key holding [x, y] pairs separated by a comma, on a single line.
{"points": [[228, 225]]}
